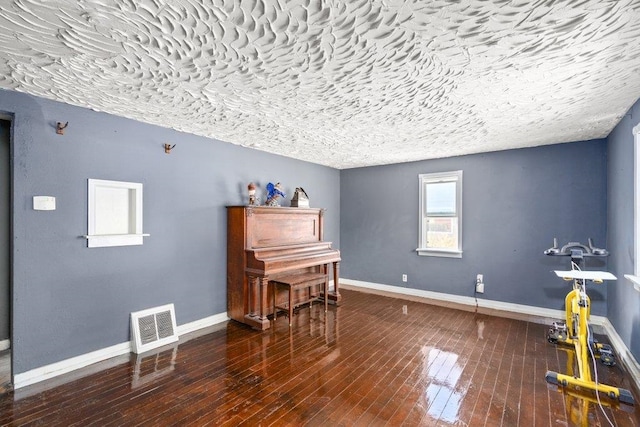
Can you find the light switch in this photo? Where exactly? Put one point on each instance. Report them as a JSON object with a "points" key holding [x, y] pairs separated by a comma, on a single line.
{"points": [[44, 203]]}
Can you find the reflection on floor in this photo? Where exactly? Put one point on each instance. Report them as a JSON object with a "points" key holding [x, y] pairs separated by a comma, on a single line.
{"points": [[374, 360], [5, 371]]}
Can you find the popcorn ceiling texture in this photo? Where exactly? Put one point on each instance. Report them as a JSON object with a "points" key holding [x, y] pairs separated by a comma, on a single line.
{"points": [[342, 84]]}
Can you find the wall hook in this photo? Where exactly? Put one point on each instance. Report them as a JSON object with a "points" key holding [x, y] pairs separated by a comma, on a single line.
{"points": [[168, 148], [60, 128]]}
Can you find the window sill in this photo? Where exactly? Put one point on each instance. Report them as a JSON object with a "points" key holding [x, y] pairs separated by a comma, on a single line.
{"points": [[439, 252], [106, 240], [635, 280]]}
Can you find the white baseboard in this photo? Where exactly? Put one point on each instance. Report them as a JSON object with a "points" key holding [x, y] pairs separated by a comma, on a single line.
{"points": [[505, 309], [5, 344], [624, 354], [202, 323], [65, 366]]}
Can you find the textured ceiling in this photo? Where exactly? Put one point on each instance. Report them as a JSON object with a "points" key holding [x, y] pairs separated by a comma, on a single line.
{"points": [[343, 84]]}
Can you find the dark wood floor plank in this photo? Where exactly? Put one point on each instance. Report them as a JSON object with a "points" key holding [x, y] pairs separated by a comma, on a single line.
{"points": [[368, 357], [526, 400], [500, 400], [385, 391], [449, 347], [281, 373], [511, 410], [443, 372], [375, 360], [556, 359], [407, 394], [489, 378], [477, 396], [335, 413], [365, 390], [470, 338], [477, 351]]}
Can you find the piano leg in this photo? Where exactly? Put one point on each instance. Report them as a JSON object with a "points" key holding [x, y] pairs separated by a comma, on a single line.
{"points": [[264, 287], [335, 295], [257, 316], [253, 286]]}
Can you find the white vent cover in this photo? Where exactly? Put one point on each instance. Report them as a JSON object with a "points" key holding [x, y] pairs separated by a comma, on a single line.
{"points": [[153, 328]]}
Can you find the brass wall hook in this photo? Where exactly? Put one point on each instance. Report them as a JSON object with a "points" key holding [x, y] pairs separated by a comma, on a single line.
{"points": [[61, 127], [168, 148]]}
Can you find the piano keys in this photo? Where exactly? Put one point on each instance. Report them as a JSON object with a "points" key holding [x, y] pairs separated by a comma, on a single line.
{"points": [[264, 243]]}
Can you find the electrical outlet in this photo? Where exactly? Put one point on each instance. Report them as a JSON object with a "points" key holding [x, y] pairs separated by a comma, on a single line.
{"points": [[404, 277], [480, 284]]}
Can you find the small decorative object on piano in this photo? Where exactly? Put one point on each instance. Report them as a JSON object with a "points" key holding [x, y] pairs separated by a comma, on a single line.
{"points": [[300, 198], [274, 192], [252, 193]]}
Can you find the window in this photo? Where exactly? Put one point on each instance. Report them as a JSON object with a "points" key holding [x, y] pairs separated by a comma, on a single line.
{"points": [[114, 213], [440, 214], [636, 205], [635, 277]]}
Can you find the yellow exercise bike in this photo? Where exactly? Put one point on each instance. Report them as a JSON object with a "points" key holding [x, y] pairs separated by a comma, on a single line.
{"points": [[576, 331]]}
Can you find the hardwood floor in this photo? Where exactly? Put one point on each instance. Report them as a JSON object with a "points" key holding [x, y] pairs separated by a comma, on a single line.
{"points": [[375, 361]]}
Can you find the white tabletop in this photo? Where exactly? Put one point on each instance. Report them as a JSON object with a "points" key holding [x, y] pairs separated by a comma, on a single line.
{"points": [[585, 275]]}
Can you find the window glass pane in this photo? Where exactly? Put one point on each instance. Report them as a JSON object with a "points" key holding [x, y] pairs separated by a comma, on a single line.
{"points": [[441, 199], [442, 232]]}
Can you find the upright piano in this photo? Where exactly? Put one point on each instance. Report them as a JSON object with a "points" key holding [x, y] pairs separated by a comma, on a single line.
{"points": [[264, 243]]}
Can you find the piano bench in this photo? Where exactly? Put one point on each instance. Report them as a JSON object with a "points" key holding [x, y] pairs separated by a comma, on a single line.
{"points": [[299, 281]]}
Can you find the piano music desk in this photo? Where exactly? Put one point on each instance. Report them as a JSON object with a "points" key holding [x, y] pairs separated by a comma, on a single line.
{"points": [[300, 281]]}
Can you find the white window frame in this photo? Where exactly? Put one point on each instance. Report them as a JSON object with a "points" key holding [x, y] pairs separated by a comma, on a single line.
{"points": [[130, 214], [432, 178], [636, 204], [635, 277]]}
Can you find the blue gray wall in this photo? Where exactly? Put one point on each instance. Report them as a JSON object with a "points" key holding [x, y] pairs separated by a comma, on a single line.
{"points": [[69, 300], [514, 203], [624, 301]]}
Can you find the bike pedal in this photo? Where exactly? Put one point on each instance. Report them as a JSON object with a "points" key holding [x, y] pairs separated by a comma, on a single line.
{"points": [[606, 355], [607, 360], [553, 336], [606, 348]]}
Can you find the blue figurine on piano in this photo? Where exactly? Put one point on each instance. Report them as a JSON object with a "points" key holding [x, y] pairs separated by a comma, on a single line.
{"points": [[274, 192]]}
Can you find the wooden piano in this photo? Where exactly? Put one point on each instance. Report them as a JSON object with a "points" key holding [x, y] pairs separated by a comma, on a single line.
{"points": [[266, 243]]}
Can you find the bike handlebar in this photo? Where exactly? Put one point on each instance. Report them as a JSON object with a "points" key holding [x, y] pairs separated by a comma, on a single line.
{"points": [[570, 249]]}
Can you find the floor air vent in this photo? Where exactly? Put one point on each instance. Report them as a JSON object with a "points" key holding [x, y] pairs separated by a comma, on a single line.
{"points": [[153, 328]]}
